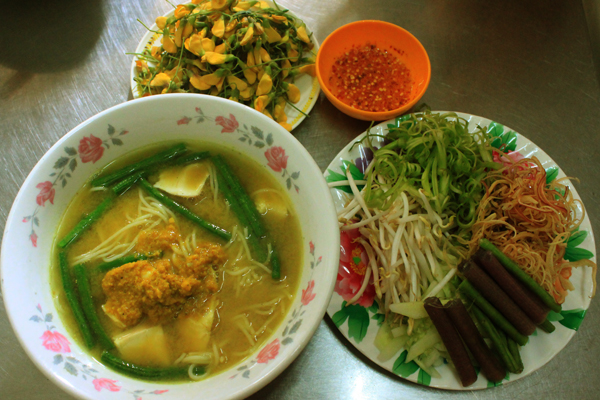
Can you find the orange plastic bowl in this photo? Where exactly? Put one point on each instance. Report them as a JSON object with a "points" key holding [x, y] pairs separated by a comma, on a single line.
{"points": [[386, 36]]}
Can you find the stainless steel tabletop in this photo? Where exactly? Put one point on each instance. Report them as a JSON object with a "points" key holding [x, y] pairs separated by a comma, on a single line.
{"points": [[526, 64]]}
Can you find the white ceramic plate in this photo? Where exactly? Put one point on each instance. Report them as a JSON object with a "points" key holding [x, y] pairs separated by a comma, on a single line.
{"points": [[360, 326], [62, 171], [308, 85]]}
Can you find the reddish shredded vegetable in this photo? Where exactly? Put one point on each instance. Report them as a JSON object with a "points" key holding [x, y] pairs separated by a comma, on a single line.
{"points": [[531, 222]]}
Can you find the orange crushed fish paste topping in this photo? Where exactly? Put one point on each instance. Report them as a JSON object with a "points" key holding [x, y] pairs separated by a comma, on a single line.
{"points": [[160, 289], [163, 239], [371, 79]]}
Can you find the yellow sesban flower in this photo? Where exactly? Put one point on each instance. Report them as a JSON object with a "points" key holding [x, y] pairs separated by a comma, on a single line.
{"points": [[245, 51]]}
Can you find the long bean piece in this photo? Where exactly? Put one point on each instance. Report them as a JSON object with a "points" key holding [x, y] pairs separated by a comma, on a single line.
{"points": [[245, 200], [251, 214], [497, 297], [495, 336], [122, 186], [69, 289], [85, 223], [87, 304], [521, 275], [173, 205], [149, 373], [472, 293], [531, 304], [141, 165], [258, 250], [513, 347], [463, 322], [547, 326], [201, 155], [107, 266], [275, 265]]}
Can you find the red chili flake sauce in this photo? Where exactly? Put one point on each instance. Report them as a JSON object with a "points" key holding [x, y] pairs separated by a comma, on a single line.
{"points": [[371, 79]]}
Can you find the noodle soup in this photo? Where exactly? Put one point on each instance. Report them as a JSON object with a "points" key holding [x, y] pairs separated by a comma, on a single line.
{"points": [[187, 299]]}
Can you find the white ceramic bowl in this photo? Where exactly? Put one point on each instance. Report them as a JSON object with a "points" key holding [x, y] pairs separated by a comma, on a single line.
{"points": [[35, 214]]}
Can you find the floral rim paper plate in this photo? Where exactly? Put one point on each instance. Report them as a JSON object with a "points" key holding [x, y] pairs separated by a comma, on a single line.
{"points": [[359, 322], [308, 85], [61, 172]]}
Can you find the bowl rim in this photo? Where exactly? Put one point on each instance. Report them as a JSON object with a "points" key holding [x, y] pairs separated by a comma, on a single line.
{"points": [[370, 115], [300, 343]]}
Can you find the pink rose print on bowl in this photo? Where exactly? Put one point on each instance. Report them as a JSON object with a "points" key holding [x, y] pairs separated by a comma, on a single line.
{"points": [[90, 149], [307, 294], [229, 124], [184, 121], [277, 159], [55, 342], [105, 383], [269, 352], [352, 270], [46, 193], [33, 237], [253, 136]]}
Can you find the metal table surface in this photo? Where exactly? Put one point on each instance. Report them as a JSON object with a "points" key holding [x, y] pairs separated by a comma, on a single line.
{"points": [[528, 65]]}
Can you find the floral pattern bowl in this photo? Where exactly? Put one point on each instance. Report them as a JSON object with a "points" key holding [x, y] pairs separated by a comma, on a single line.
{"points": [[48, 189]]}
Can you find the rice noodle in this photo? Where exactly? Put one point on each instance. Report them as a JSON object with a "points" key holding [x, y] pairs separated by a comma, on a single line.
{"points": [[198, 358], [216, 354], [193, 376], [214, 182], [150, 214], [237, 272], [261, 266], [244, 325]]}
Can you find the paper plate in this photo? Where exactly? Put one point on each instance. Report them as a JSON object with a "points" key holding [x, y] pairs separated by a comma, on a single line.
{"points": [[360, 324]]}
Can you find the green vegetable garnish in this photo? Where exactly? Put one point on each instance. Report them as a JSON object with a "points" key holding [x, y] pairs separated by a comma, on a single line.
{"points": [[434, 152]]}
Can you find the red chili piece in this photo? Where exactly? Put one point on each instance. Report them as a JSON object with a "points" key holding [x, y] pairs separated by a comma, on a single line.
{"points": [[371, 79]]}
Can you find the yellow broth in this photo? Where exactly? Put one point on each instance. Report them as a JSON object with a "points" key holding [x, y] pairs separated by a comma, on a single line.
{"points": [[235, 302]]}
